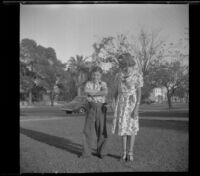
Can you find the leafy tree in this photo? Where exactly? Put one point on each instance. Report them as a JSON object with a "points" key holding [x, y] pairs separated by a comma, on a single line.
{"points": [[169, 75], [183, 90], [146, 49], [27, 63], [50, 69], [66, 86], [79, 70], [39, 69]]}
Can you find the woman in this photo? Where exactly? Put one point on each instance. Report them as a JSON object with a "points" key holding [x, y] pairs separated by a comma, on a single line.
{"points": [[125, 122]]}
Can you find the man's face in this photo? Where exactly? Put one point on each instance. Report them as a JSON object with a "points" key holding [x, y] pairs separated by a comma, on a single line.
{"points": [[96, 76]]}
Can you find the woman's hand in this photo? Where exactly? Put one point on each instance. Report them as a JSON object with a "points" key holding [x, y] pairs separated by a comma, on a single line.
{"points": [[134, 114]]}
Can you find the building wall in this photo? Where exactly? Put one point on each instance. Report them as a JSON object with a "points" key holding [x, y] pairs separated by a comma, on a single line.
{"points": [[158, 94]]}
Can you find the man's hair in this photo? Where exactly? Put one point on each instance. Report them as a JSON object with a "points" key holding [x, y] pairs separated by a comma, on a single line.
{"points": [[126, 60], [97, 69]]}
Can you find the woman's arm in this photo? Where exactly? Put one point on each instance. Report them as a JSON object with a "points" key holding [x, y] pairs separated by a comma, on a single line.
{"points": [[116, 86], [138, 95], [138, 98]]}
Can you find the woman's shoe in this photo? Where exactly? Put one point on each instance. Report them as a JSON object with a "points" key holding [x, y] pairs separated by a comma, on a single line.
{"points": [[83, 156], [123, 157], [130, 156]]}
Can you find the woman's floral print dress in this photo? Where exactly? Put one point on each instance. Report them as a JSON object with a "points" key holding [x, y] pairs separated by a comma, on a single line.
{"points": [[123, 124]]}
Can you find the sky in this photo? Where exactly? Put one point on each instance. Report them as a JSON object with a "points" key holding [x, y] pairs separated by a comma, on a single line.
{"points": [[72, 29]]}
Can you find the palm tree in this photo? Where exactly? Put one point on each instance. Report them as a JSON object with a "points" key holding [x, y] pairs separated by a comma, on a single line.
{"points": [[79, 68]]}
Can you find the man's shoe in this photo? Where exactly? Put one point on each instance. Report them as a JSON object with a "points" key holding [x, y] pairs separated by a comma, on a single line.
{"points": [[101, 156]]}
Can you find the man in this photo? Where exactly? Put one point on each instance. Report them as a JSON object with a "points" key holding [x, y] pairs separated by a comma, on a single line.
{"points": [[96, 91]]}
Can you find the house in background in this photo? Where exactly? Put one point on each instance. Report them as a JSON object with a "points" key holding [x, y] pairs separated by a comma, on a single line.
{"points": [[159, 94]]}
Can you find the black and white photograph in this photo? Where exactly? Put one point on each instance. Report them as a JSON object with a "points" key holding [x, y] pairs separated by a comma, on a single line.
{"points": [[104, 88]]}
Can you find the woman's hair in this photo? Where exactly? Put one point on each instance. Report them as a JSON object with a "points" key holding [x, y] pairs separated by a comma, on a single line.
{"points": [[97, 69], [126, 60]]}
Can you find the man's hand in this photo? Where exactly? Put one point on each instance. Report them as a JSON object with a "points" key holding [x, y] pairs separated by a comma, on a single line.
{"points": [[92, 93]]}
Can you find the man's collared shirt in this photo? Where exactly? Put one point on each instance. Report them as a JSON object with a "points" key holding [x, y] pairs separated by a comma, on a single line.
{"points": [[98, 87]]}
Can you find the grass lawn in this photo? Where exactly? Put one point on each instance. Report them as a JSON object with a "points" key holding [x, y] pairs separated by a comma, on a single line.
{"points": [[48, 146], [162, 110], [164, 106], [153, 110]]}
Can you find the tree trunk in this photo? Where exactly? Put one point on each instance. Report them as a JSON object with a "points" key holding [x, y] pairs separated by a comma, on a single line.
{"points": [[113, 103], [30, 97], [52, 98], [169, 100], [79, 88], [79, 91], [52, 102]]}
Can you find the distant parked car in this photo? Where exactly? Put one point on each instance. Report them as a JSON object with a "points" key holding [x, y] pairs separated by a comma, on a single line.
{"points": [[147, 101], [77, 105]]}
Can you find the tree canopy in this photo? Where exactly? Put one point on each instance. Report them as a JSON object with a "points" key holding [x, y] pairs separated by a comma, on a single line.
{"points": [[171, 75], [41, 70], [39, 67]]}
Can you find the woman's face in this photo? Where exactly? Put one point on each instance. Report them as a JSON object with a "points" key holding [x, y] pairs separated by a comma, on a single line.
{"points": [[127, 69], [124, 69], [96, 76]]}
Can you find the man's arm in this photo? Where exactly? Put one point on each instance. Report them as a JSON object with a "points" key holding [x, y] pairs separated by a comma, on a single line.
{"points": [[103, 91], [100, 93], [93, 92], [88, 89]]}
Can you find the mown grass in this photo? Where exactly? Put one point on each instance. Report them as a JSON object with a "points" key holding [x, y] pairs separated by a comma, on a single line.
{"points": [[54, 146], [153, 110]]}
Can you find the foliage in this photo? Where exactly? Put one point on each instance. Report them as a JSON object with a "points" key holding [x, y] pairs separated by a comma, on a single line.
{"points": [[183, 90], [170, 75], [41, 72], [67, 87], [79, 71], [39, 69], [146, 49]]}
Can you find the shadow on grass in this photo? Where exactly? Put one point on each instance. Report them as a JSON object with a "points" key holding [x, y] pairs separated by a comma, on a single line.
{"points": [[170, 125], [58, 142], [55, 141], [165, 113]]}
